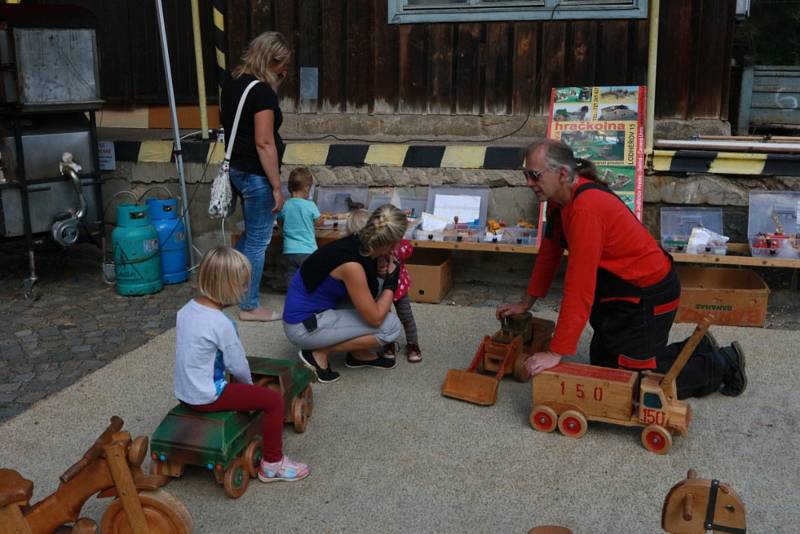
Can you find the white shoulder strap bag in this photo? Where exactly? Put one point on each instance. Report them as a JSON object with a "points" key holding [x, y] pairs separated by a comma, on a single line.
{"points": [[221, 204]]}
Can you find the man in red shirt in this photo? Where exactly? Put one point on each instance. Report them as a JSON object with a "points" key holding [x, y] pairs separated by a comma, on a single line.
{"points": [[618, 279]]}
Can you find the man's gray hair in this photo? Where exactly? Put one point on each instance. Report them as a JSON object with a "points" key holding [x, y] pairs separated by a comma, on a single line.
{"points": [[559, 155]]}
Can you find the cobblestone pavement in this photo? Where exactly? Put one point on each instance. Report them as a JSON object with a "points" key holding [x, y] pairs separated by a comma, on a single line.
{"points": [[79, 323]]}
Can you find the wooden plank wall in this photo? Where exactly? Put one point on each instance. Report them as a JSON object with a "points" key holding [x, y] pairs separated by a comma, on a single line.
{"points": [[369, 66]]}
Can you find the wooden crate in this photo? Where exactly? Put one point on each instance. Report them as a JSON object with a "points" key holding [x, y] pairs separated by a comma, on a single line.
{"points": [[596, 391]]}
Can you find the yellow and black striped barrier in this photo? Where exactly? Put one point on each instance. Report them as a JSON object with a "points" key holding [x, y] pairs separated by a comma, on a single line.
{"points": [[220, 43], [457, 157], [709, 161], [340, 155]]}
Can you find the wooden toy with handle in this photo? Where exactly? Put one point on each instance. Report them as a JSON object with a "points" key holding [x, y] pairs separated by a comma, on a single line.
{"points": [[111, 468], [697, 505], [571, 394]]}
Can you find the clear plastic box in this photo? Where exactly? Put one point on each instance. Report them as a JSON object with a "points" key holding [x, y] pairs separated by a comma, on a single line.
{"points": [[428, 235], [772, 226], [334, 199], [449, 201], [677, 224], [414, 206], [466, 233]]}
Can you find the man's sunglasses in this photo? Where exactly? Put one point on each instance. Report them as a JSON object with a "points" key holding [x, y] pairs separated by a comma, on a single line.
{"points": [[533, 176]]}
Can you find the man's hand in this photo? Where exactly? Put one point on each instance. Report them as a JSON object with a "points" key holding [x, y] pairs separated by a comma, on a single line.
{"points": [[504, 310], [541, 361]]}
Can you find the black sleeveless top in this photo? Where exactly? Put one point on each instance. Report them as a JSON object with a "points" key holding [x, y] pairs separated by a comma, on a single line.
{"points": [[319, 265]]}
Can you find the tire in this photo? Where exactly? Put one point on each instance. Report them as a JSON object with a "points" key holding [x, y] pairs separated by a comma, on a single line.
{"points": [[164, 514], [543, 418], [656, 439], [252, 457], [301, 411], [572, 424], [237, 478]]}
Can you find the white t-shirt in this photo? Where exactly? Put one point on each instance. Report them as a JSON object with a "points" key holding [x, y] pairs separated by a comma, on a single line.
{"points": [[206, 346]]}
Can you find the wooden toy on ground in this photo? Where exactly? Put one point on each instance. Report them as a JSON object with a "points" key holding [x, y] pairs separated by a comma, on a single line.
{"points": [[696, 505], [228, 443], [570, 394], [110, 468], [501, 354]]}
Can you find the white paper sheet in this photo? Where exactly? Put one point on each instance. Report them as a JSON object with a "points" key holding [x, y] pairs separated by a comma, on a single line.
{"points": [[466, 207], [432, 223]]}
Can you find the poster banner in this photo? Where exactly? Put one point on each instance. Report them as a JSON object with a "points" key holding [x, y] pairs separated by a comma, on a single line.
{"points": [[604, 125]]}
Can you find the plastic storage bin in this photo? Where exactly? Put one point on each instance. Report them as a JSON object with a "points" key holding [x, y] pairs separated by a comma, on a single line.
{"points": [[677, 224], [412, 205], [341, 199], [449, 201], [772, 226]]}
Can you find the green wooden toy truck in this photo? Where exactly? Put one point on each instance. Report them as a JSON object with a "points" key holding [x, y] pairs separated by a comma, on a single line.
{"points": [[228, 443]]}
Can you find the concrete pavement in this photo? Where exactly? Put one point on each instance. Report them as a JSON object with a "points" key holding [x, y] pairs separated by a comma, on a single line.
{"points": [[389, 454]]}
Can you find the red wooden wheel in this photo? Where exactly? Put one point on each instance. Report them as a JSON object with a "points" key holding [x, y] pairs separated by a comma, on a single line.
{"points": [[656, 439], [572, 423], [543, 418]]}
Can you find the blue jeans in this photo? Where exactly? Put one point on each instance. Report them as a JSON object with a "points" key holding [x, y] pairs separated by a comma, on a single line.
{"points": [[257, 204]]}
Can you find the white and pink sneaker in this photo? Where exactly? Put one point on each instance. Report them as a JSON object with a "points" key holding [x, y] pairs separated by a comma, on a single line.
{"points": [[284, 470]]}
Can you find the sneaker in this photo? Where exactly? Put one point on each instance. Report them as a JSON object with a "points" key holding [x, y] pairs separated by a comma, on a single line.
{"points": [[389, 351], [284, 470], [327, 376], [736, 381], [380, 362], [413, 354], [324, 376]]}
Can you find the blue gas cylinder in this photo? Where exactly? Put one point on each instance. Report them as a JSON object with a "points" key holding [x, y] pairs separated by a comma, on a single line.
{"points": [[136, 257], [171, 238]]}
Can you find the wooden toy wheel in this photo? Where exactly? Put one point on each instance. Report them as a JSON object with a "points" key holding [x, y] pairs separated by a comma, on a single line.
{"points": [[544, 418], [520, 373], [572, 423], [252, 457], [237, 477], [656, 439], [308, 395], [164, 515], [138, 450], [302, 406]]}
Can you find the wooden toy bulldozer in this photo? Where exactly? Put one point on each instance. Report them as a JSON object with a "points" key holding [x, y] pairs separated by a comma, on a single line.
{"points": [[503, 353]]}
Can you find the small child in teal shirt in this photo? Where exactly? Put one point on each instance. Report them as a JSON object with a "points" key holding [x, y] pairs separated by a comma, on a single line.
{"points": [[298, 217]]}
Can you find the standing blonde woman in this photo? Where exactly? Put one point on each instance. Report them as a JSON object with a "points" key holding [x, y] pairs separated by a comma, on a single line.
{"points": [[257, 154], [334, 303]]}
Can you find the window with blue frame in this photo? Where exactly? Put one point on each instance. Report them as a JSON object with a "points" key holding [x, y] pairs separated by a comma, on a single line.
{"points": [[428, 11]]}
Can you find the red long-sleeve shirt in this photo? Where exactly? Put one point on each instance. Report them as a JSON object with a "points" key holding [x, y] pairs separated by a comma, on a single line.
{"points": [[601, 232]]}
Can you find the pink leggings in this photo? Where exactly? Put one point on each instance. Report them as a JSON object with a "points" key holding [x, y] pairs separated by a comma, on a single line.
{"points": [[244, 397]]}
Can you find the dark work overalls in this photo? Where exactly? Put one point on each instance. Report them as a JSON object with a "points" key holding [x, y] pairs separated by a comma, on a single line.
{"points": [[631, 324]]}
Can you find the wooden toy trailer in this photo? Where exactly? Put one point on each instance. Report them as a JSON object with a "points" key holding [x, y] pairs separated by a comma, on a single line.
{"points": [[571, 394]]}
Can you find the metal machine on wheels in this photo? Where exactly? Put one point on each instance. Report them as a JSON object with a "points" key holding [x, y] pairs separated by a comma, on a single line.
{"points": [[50, 185]]}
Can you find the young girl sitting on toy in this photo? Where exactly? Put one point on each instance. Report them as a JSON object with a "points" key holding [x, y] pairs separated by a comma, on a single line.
{"points": [[208, 345], [402, 303]]}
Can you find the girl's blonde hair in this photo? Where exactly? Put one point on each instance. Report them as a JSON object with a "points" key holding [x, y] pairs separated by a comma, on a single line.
{"points": [[224, 275], [265, 54], [356, 220], [386, 226]]}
